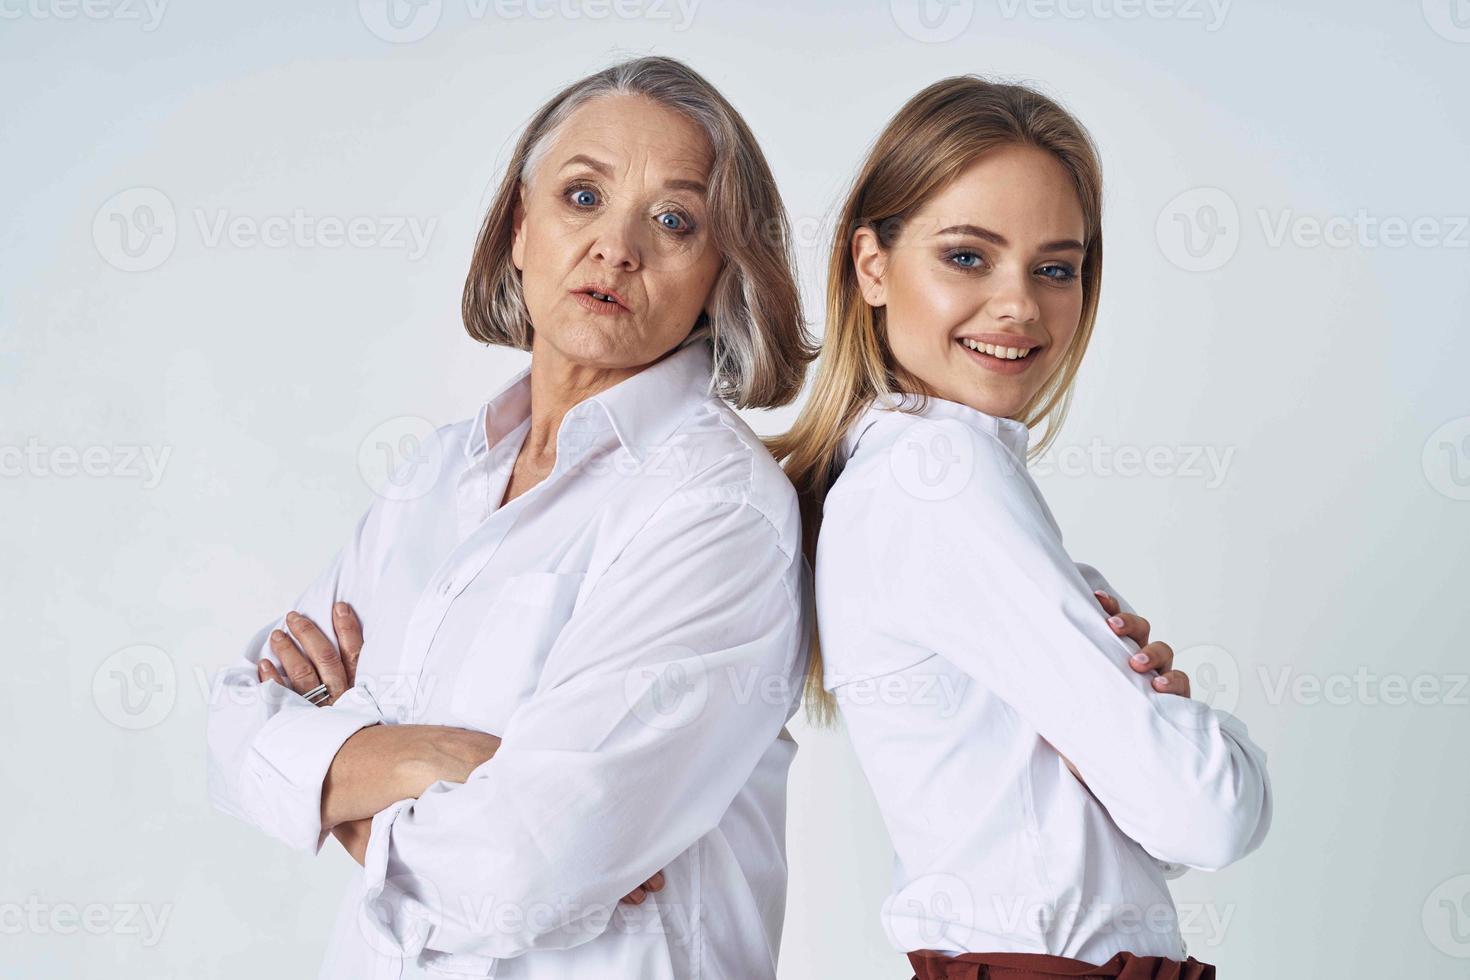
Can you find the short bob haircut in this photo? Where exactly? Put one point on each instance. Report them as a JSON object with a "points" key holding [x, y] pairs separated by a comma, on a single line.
{"points": [[755, 326]]}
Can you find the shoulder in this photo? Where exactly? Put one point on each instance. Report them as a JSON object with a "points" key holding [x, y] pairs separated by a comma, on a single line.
{"points": [[721, 461], [904, 463]]}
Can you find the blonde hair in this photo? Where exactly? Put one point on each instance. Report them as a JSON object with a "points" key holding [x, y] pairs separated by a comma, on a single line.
{"points": [[761, 344], [937, 134]]}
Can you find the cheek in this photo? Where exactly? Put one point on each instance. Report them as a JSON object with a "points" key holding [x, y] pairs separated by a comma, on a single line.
{"points": [[1062, 313], [925, 305]]}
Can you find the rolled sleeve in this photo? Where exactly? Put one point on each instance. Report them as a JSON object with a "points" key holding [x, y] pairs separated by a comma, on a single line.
{"points": [[268, 747], [290, 758]]}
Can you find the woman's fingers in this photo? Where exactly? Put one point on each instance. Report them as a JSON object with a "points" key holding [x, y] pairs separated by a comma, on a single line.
{"points": [[1124, 624], [1156, 656], [349, 638], [266, 671], [1132, 626], [1173, 682], [637, 895], [322, 652], [301, 676]]}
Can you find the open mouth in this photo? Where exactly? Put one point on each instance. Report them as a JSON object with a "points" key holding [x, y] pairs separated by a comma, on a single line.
{"points": [[1001, 358], [600, 299]]}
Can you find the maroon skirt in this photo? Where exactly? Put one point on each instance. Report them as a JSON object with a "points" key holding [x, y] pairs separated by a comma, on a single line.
{"points": [[929, 965]]}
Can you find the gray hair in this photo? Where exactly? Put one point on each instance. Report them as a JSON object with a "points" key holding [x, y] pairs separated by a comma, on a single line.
{"points": [[755, 325]]}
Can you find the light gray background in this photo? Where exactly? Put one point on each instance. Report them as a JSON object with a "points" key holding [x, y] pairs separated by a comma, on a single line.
{"points": [[1313, 579]]}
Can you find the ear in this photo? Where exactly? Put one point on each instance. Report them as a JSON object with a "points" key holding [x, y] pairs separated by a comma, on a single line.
{"points": [[869, 260], [518, 237]]}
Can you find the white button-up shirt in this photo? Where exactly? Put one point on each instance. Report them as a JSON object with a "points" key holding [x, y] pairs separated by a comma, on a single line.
{"points": [[966, 650], [633, 630]]}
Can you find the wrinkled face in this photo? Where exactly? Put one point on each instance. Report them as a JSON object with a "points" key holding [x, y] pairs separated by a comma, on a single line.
{"points": [[612, 234], [982, 289]]}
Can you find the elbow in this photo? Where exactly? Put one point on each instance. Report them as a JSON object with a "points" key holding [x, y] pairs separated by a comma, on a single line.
{"points": [[1215, 826]]}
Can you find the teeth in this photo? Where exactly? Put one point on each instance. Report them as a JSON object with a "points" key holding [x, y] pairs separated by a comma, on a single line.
{"points": [[1005, 353], [605, 299]]}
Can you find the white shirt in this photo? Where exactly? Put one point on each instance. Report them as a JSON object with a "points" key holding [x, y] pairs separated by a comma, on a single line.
{"points": [[631, 627], [960, 640]]}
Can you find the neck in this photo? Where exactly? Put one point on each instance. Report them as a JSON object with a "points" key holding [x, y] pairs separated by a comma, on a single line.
{"points": [[558, 384]]}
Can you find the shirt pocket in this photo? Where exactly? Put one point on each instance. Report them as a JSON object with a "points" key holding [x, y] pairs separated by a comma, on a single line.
{"points": [[503, 661]]}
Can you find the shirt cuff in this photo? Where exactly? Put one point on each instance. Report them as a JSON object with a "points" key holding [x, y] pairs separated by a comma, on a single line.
{"points": [[403, 908], [293, 752]]}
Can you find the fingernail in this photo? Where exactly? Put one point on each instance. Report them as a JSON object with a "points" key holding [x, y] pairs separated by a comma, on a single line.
{"points": [[1116, 622], [277, 635], [1161, 681], [1140, 657], [340, 609], [1100, 594]]}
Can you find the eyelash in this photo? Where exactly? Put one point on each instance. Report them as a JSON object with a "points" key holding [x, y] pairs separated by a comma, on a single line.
{"points": [[689, 227], [1068, 273]]}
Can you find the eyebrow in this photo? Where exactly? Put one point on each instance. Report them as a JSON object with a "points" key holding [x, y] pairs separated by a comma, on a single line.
{"points": [[1062, 245], [597, 165]]}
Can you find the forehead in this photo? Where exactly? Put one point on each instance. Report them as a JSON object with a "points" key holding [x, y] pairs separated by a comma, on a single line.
{"points": [[633, 135], [1021, 192]]}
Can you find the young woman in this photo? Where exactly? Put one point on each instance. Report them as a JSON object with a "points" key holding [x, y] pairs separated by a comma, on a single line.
{"points": [[1038, 782]]}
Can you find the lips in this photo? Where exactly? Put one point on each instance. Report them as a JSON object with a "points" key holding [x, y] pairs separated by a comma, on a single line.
{"points": [[602, 293], [1000, 353]]}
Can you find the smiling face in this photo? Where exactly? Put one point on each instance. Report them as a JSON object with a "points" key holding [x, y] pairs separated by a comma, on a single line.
{"points": [[982, 290], [612, 234]]}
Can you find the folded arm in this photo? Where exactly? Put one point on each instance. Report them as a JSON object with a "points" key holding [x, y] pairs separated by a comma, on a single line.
{"points": [[654, 707], [1011, 608]]}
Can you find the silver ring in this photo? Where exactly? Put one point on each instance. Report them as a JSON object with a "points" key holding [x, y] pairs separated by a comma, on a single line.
{"points": [[317, 694]]}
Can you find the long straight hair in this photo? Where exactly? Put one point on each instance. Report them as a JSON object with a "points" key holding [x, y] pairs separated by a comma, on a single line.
{"points": [[934, 138]]}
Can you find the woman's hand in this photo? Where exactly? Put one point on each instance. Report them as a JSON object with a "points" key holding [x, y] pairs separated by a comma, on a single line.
{"points": [[637, 895], [317, 660], [1151, 656], [437, 752]]}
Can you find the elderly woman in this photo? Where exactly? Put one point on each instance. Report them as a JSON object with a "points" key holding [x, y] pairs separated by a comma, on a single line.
{"points": [[577, 650]]}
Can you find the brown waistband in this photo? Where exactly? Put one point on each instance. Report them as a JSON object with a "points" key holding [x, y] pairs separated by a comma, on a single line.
{"points": [[929, 965]]}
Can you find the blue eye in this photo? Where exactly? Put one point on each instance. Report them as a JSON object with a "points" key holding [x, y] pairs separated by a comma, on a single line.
{"points": [[675, 222], [584, 197], [965, 259], [1064, 273]]}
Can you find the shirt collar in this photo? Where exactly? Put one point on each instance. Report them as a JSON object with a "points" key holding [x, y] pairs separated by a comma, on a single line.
{"points": [[641, 411], [1012, 434]]}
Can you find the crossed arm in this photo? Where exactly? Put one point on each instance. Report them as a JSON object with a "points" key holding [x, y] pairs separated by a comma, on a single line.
{"points": [[380, 764]]}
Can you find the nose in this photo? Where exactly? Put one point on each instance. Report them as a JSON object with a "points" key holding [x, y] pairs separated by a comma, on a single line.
{"points": [[616, 242], [1013, 300]]}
